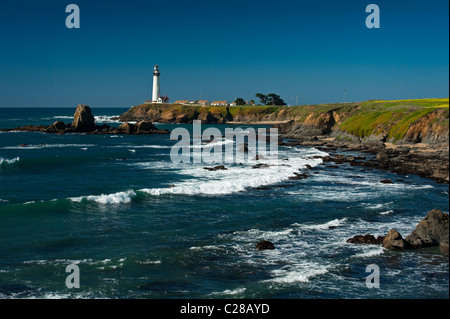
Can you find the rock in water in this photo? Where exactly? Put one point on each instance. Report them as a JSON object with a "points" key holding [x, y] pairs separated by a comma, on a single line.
{"points": [[265, 245], [431, 231], [57, 127], [257, 166], [126, 128], [217, 168], [395, 241], [83, 120], [366, 239], [145, 127]]}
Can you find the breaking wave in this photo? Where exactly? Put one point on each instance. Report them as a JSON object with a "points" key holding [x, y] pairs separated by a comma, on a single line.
{"points": [[8, 161], [117, 198]]}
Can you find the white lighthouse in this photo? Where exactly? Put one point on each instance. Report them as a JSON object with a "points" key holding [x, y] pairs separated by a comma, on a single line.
{"points": [[156, 87]]}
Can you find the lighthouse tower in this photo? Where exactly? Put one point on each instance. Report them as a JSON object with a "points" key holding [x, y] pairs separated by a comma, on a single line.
{"points": [[156, 87]]}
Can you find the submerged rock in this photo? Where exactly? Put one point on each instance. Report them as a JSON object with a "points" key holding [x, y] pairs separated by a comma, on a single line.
{"points": [[298, 176], [217, 168], [366, 239], [265, 245], [257, 166]]}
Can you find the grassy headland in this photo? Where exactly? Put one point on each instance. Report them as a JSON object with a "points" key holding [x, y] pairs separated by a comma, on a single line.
{"points": [[415, 120]]}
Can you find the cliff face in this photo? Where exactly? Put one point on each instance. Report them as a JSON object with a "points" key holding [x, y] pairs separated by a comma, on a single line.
{"points": [[432, 128], [210, 115], [411, 121]]}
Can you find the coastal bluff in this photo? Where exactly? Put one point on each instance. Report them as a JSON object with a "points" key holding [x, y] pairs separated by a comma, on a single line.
{"points": [[406, 136], [399, 122], [84, 122]]}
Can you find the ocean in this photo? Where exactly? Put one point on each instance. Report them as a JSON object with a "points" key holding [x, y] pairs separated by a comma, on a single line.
{"points": [[140, 226]]}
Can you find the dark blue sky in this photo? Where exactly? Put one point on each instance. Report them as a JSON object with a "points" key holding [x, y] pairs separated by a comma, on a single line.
{"points": [[223, 49]]}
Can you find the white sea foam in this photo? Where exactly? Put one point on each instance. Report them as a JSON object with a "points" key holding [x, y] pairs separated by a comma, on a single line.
{"points": [[63, 117], [388, 212], [325, 226], [3, 200], [116, 198], [98, 119], [370, 182], [150, 262], [379, 206], [106, 119], [9, 161], [41, 146], [58, 261], [202, 182], [234, 179], [369, 251], [301, 272], [228, 292], [141, 146]]}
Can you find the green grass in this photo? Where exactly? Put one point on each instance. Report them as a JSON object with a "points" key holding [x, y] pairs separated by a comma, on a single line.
{"points": [[390, 118]]}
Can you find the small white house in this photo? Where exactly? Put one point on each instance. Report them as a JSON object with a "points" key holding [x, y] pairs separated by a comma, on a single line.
{"points": [[220, 103]]}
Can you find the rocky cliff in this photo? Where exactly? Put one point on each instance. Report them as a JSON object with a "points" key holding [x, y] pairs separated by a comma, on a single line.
{"points": [[400, 122]]}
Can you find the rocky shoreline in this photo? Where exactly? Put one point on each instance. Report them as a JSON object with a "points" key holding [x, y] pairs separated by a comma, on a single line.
{"points": [[405, 137], [425, 160], [84, 122]]}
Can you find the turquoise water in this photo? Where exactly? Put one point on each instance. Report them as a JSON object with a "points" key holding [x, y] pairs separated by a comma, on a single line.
{"points": [[107, 203]]}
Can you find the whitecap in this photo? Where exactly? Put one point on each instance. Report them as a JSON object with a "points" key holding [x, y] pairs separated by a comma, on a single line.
{"points": [[42, 146], [369, 252], [149, 262], [9, 161], [228, 292], [140, 146], [298, 273], [233, 180], [116, 198], [204, 247], [63, 117], [106, 119], [325, 226]]}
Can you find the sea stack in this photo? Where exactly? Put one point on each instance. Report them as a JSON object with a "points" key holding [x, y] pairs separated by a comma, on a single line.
{"points": [[83, 120]]}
